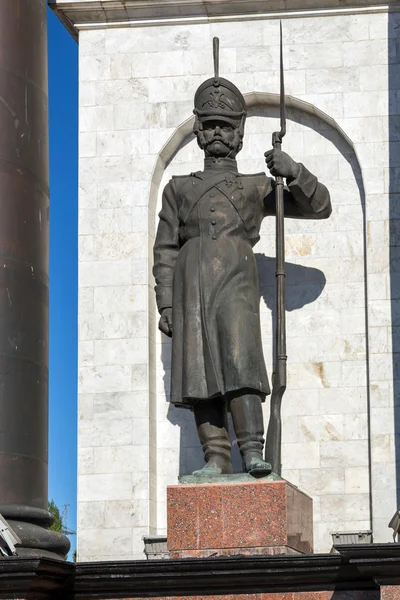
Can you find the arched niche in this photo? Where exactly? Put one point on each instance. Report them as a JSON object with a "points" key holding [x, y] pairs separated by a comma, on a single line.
{"points": [[326, 309]]}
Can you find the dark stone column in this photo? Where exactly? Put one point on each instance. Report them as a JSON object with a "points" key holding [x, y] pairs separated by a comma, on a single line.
{"points": [[24, 286]]}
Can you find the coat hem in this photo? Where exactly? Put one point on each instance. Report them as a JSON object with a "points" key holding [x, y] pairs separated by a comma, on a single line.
{"points": [[189, 402]]}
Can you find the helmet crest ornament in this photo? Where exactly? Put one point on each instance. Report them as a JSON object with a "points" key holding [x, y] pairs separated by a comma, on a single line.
{"points": [[216, 60]]}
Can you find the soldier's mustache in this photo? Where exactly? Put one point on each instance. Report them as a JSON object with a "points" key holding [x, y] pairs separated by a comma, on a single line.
{"points": [[226, 143]]}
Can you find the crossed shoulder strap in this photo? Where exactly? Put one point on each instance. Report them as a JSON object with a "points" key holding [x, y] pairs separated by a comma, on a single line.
{"points": [[195, 188]]}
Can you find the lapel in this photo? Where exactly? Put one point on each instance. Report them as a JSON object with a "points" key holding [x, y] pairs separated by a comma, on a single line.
{"points": [[195, 190], [232, 188]]}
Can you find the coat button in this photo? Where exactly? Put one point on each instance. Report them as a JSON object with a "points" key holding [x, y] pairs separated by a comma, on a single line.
{"points": [[212, 209], [213, 222], [214, 237]]}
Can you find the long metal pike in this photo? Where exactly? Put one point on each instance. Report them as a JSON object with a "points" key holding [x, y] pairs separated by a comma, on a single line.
{"points": [[274, 433]]}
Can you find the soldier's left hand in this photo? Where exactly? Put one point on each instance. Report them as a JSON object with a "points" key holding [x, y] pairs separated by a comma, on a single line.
{"points": [[281, 164]]}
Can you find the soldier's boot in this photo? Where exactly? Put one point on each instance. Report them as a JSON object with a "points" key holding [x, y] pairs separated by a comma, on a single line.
{"points": [[248, 422], [212, 428]]}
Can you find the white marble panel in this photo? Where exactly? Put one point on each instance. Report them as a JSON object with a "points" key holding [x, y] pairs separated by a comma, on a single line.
{"points": [[128, 458], [237, 35], [104, 169], [365, 53], [312, 56], [87, 94], [121, 66], [93, 42], [96, 118], [94, 543], [120, 352], [94, 67], [91, 515], [345, 454], [119, 91], [140, 115], [106, 433], [316, 482], [322, 30], [115, 325], [166, 89], [87, 144], [114, 272], [120, 406], [86, 354], [357, 480], [104, 379], [360, 104], [114, 486], [325, 81], [124, 298]]}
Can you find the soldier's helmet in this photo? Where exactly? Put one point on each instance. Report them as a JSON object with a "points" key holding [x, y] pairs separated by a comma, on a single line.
{"points": [[219, 98]]}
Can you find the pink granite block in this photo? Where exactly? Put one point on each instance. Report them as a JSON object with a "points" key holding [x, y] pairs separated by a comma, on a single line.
{"points": [[390, 592], [338, 595], [263, 514]]}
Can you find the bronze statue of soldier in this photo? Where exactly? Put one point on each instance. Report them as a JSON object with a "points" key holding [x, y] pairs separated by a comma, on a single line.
{"points": [[207, 282]]}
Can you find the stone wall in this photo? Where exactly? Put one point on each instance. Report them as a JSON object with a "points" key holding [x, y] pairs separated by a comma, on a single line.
{"points": [[136, 92]]}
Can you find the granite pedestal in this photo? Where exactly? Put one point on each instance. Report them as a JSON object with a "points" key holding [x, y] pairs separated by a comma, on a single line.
{"points": [[238, 518]]}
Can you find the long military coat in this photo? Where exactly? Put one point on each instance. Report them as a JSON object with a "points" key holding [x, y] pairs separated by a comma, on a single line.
{"points": [[206, 271]]}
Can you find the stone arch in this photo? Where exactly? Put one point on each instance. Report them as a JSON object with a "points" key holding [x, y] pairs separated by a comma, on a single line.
{"points": [[254, 100]]}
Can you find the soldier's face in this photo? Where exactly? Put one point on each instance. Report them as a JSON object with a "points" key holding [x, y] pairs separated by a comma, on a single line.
{"points": [[219, 138]]}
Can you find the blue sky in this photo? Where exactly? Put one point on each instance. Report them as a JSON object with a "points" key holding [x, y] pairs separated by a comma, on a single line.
{"points": [[63, 131]]}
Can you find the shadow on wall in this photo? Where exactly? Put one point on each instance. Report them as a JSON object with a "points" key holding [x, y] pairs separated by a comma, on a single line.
{"points": [[304, 284], [394, 224]]}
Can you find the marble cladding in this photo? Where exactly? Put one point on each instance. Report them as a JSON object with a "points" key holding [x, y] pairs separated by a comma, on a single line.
{"points": [[136, 87]]}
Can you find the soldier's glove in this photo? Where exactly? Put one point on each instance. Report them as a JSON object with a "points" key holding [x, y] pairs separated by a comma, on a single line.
{"points": [[281, 164], [165, 322]]}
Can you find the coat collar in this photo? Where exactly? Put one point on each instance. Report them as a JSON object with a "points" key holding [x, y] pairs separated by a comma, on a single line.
{"points": [[213, 166], [220, 164]]}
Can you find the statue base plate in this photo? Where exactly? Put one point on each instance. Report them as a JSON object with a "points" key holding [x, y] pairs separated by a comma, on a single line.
{"points": [[234, 478], [255, 517]]}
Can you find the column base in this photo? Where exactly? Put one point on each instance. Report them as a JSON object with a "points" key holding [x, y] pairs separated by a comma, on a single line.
{"points": [[31, 526]]}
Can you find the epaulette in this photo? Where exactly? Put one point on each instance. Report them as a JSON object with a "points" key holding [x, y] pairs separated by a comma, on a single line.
{"points": [[252, 174]]}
